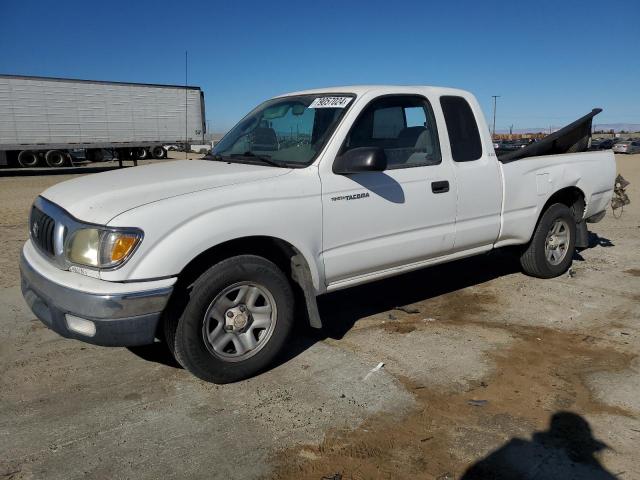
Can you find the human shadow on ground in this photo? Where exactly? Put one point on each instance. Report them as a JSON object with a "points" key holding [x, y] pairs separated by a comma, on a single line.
{"points": [[566, 451]]}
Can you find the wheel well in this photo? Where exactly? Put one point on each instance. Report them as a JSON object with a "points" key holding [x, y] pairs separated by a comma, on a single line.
{"points": [[274, 249], [280, 252], [572, 197]]}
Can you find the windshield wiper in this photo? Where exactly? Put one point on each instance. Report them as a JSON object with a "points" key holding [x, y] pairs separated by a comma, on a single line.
{"points": [[263, 158]]}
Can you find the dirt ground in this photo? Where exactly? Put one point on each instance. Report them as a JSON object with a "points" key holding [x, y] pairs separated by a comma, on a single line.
{"points": [[487, 374]]}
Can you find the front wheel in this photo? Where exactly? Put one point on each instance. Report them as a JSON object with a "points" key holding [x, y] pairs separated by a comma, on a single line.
{"points": [[236, 321], [550, 251]]}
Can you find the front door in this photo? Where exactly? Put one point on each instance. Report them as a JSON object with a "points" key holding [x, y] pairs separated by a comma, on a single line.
{"points": [[376, 221]]}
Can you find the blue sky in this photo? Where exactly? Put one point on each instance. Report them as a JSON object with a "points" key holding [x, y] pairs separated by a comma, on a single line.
{"points": [[551, 61]]}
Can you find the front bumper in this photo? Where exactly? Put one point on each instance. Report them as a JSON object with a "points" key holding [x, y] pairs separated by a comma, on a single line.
{"points": [[125, 318]]}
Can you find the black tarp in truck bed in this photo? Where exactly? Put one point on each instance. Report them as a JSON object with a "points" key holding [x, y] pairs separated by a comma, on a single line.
{"points": [[570, 139]]}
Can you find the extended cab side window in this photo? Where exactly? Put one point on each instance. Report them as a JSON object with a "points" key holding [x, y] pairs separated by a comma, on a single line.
{"points": [[403, 126], [464, 137]]}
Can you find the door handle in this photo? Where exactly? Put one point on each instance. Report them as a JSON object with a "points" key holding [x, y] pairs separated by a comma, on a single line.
{"points": [[440, 187]]}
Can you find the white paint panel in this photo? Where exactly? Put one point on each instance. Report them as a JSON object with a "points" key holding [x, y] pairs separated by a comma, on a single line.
{"points": [[592, 172]]}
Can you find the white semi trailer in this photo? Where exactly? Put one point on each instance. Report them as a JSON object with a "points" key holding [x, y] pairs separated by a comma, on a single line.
{"points": [[52, 121]]}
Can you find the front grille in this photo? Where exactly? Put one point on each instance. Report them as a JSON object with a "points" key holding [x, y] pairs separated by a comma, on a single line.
{"points": [[42, 228]]}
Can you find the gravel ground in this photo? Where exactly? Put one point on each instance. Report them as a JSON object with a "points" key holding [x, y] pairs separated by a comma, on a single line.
{"points": [[486, 371]]}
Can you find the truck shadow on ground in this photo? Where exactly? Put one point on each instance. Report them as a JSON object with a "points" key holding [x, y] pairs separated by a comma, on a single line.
{"points": [[157, 353], [79, 168], [30, 172], [341, 310], [566, 450], [595, 240]]}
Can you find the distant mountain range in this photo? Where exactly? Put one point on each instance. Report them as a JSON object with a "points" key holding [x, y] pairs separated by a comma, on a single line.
{"points": [[616, 127], [606, 127]]}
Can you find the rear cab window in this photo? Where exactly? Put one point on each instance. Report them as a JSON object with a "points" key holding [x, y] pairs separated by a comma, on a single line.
{"points": [[464, 136]]}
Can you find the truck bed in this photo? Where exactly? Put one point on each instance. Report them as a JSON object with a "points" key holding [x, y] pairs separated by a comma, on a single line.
{"points": [[527, 184]]}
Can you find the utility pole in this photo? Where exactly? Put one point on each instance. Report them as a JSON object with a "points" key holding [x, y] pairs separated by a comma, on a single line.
{"points": [[495, 98]]}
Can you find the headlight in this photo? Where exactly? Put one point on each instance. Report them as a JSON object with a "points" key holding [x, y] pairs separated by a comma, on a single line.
{"points": [[102, 248]]}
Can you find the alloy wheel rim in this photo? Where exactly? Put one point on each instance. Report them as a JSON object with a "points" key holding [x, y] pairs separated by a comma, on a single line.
{"points": [[557, 242], [239, 321]]}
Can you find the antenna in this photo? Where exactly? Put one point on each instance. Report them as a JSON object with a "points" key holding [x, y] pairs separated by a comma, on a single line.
{"points": [[186, 102]]}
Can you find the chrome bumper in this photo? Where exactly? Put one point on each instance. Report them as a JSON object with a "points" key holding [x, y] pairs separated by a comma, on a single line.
{"points": [[122, 319]]}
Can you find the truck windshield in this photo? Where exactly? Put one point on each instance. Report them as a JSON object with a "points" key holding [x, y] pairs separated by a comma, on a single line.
{"points": [[286, 131]]}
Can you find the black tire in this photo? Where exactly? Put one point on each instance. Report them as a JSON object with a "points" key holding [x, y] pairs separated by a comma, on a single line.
{"points": [[28, 159], [55, 158], [186, 335], [534, 259], [140, 153], [158, 152]]}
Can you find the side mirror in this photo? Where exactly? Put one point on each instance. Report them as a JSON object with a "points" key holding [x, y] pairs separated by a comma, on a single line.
{"points": [[361, 159]]}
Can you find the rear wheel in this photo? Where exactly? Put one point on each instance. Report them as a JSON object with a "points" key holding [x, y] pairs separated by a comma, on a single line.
{"points": [[550, 251], [55, 158], [236, 321], [28, 159], [158, 152], [140, 153]]}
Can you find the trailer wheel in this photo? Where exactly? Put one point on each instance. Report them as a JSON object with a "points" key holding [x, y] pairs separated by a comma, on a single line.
{"points": [[28, 159], [55, 158], [158, 152], [140, 153]]}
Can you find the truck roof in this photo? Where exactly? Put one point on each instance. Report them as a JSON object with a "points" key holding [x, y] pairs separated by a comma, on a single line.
{"points": [[380, 90]]}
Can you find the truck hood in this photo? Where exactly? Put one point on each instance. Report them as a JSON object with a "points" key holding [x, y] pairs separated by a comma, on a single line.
{"points": [[100, 197]]}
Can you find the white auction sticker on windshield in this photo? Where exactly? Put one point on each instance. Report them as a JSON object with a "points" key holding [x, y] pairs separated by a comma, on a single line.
{"points": [[330, 102]]}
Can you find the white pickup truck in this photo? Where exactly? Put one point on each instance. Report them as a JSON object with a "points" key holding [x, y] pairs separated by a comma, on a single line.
{"points": [[311, 192]]}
